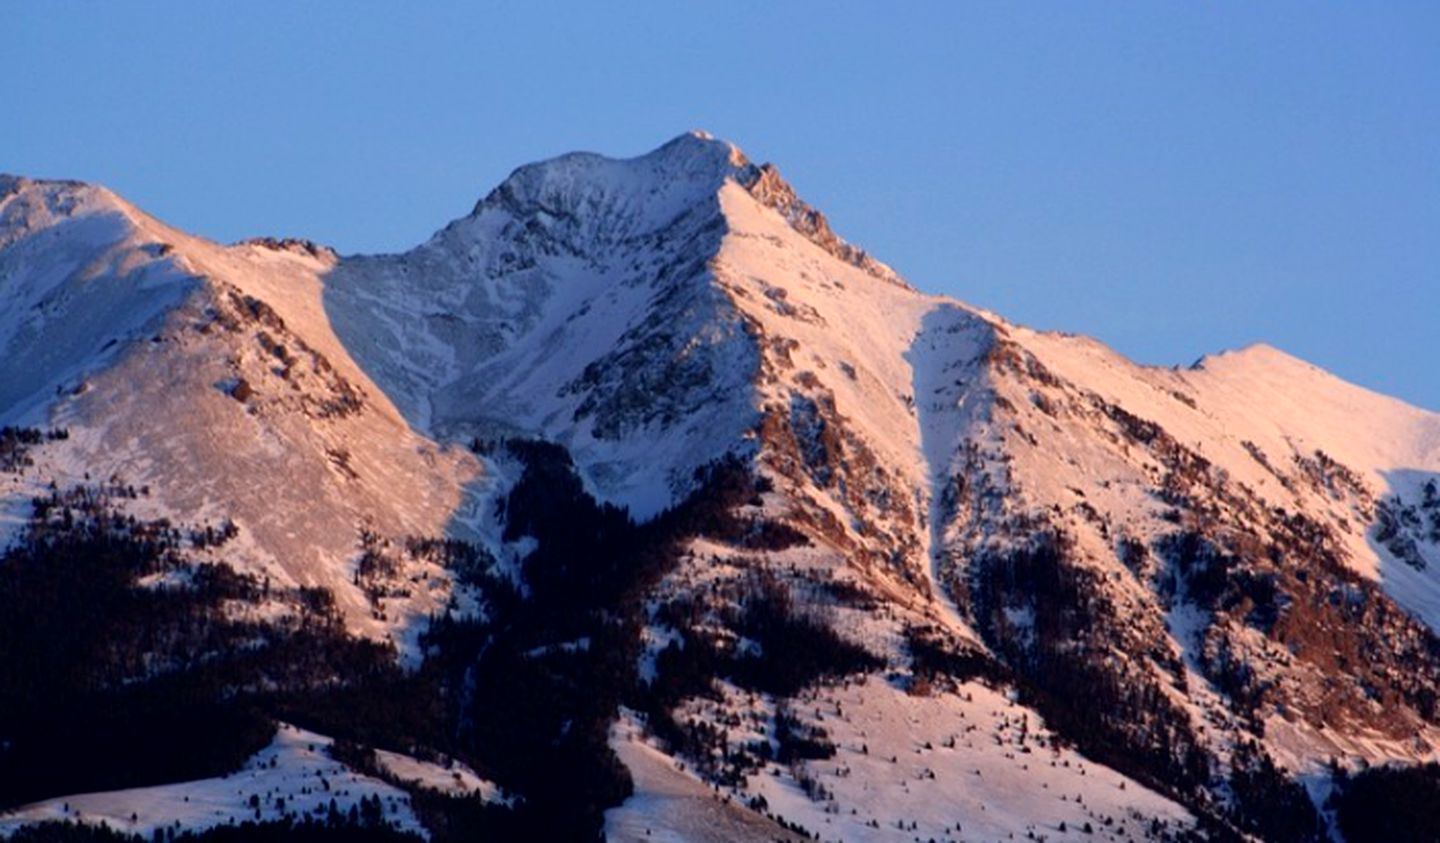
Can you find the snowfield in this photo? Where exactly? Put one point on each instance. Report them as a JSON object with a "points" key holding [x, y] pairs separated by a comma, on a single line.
{"points": [[294, 777], [671, 805], [950, 766]]}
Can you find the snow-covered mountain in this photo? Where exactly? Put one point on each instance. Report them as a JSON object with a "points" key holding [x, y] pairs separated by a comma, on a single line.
{"points": [[640, 463]]}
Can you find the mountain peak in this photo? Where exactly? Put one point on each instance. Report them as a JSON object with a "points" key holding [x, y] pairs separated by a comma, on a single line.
{"points": [[630, 196], [30, 205], [701, 143], [57, 192], [685, 170]]}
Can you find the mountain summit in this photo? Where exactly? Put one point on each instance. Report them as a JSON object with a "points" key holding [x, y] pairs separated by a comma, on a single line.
{"points": [[655, 506]]}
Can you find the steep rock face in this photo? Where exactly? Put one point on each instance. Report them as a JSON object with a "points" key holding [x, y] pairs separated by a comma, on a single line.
{"points": [[576, 302], [1243, 495], [771, 190], [601, 303], [1183, 546]]}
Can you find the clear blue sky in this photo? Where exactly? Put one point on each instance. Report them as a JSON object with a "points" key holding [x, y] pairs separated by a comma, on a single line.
{"points": [[1174, 178]]}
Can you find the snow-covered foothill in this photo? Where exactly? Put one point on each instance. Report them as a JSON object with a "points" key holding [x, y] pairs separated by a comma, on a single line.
{"points": [[294, 777]]}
